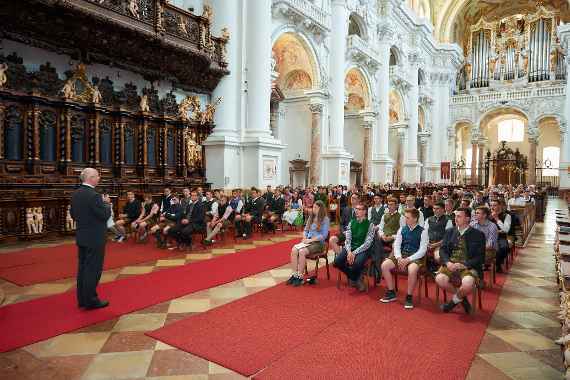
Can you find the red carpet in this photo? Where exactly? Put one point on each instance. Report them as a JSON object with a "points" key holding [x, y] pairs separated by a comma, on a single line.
{"points": [[38, 265], [320, 332], [25, 323]]}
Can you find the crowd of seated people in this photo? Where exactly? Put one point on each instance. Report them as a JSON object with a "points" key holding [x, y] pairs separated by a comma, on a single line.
{"points": [[454, 234]]}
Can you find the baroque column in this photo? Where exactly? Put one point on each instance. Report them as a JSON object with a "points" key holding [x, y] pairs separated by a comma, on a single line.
{"points": [[533, 143], [336, 159], [316, 108], [412, 166], [382, 164], [474, 152], [368, 120], [564, 35], [482, 144]]}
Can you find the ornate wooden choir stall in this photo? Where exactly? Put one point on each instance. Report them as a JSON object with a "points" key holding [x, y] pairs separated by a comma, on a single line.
{"points": [[52, 127]]}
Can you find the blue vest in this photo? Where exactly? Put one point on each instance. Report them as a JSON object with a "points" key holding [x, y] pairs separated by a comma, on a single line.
{"points": [[411, 239], [234, 203]]}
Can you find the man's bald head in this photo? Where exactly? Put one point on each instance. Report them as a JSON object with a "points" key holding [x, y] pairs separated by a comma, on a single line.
{"points": [[90, 176]]}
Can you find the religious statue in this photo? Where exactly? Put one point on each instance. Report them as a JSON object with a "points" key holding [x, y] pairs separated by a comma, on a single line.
{"points": [[208, 115], [208, 13], [134, 8], [193, 150], [144, 103], [191, 103], [69, 222], [225, 33], [492, 64], [30, 223], [97, 97], [68, 89], [182, 26], [553, 59], [39, 219], [468, 71], [3, 77]]}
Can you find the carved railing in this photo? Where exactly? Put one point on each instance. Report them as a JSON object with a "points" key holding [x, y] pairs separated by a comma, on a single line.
{"points": [[510, 94], [308, 10], [168, 19], [358, 47]]}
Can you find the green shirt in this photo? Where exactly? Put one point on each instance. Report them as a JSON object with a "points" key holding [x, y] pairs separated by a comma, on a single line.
{"points": [[358, 232]]}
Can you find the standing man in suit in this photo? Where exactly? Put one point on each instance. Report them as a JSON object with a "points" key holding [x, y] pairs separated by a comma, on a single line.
{"points": [[90, 210]]}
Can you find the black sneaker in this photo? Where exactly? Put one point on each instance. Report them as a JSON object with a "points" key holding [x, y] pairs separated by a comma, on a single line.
{"points": [[298, 281], [466, 306], [311, 281], [291, 280], [390, 296], [409, 303], [447, 307]]}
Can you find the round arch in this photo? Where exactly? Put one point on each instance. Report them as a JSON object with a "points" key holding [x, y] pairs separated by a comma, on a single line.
{"points": [[309, 48], [357, 83], [398, 110], [395, 56], [356, 25]]}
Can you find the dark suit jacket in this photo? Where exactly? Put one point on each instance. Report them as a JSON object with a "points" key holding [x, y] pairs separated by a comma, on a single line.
{"points": [[196, 215], [165, 204], [475, 240], [255, 207], [91, 215], [346, 215]]}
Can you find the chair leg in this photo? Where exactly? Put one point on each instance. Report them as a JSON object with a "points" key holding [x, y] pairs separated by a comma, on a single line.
{"points": [[395, 277], [493, 274], [338, 280], [479, 296], [317, 268], [327, 265], [474, 298], [419, 285], [426, 287]]}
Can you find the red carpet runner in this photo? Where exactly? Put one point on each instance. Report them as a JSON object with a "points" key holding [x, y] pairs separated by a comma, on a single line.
{"points": [[32, 321], [38, 265], [320, 332]]}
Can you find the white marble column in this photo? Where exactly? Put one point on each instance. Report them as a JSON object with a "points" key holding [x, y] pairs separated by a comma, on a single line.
{"points": [[337, 159], [382, 164], [368, 120], [411, 165], [565, 153], [223, 167]]}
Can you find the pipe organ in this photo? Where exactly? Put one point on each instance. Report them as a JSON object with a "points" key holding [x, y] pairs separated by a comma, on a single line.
{"points": [[517, 48]]}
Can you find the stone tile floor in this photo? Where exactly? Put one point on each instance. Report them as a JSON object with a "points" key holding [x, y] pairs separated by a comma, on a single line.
{"points": [[518, 343]]}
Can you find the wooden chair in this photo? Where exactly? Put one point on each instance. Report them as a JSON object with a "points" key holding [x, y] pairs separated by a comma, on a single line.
{"points": [[491, 261], [422, 279], [476, 295], [316, 257]]}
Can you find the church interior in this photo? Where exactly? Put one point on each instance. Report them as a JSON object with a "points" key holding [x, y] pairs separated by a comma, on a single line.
{"points": [[273, 119]]}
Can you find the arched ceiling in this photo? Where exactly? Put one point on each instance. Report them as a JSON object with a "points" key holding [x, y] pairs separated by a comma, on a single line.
{"points": [[452, 18]]}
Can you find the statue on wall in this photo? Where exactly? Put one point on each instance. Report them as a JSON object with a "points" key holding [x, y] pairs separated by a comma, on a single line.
{"points": [[97, 97], [193, 150], [68, 89], [69, 222], [208, 115], [30, 222], [134, 8], [3, 76], [208, 13], [190, 104], [39, 219], [553, 59], [144, 104]]}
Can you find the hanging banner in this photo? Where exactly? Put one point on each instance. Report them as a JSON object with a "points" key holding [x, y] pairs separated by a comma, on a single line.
{"points": [[445, 170]]}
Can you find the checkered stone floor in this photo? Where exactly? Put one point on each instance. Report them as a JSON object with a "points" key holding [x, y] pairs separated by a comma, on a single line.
{"points": [[518, 343]]}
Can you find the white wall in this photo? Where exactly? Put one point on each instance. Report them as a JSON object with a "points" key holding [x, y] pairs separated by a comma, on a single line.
{"points": [[354, 138], [295, 132]]}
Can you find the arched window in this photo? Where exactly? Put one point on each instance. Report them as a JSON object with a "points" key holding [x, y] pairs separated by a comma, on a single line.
{"points": [[551, 160], [354, 27], [511, 130], [393, 57]]}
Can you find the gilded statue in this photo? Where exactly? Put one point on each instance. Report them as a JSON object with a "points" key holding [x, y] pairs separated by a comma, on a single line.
{"points": [[468, 70], [68, 89], [193, 150], [492, 64], [553, 59], [3, 76], [97, 97], [225, 33], [144, 103], [182, 26], [208, 13], [208, 114], [190, 104], [134, 8]]}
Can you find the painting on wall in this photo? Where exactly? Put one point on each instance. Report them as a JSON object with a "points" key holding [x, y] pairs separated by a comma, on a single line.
{"points": [[293, 63], [269, 169], [395, 107], [356, 90]]}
